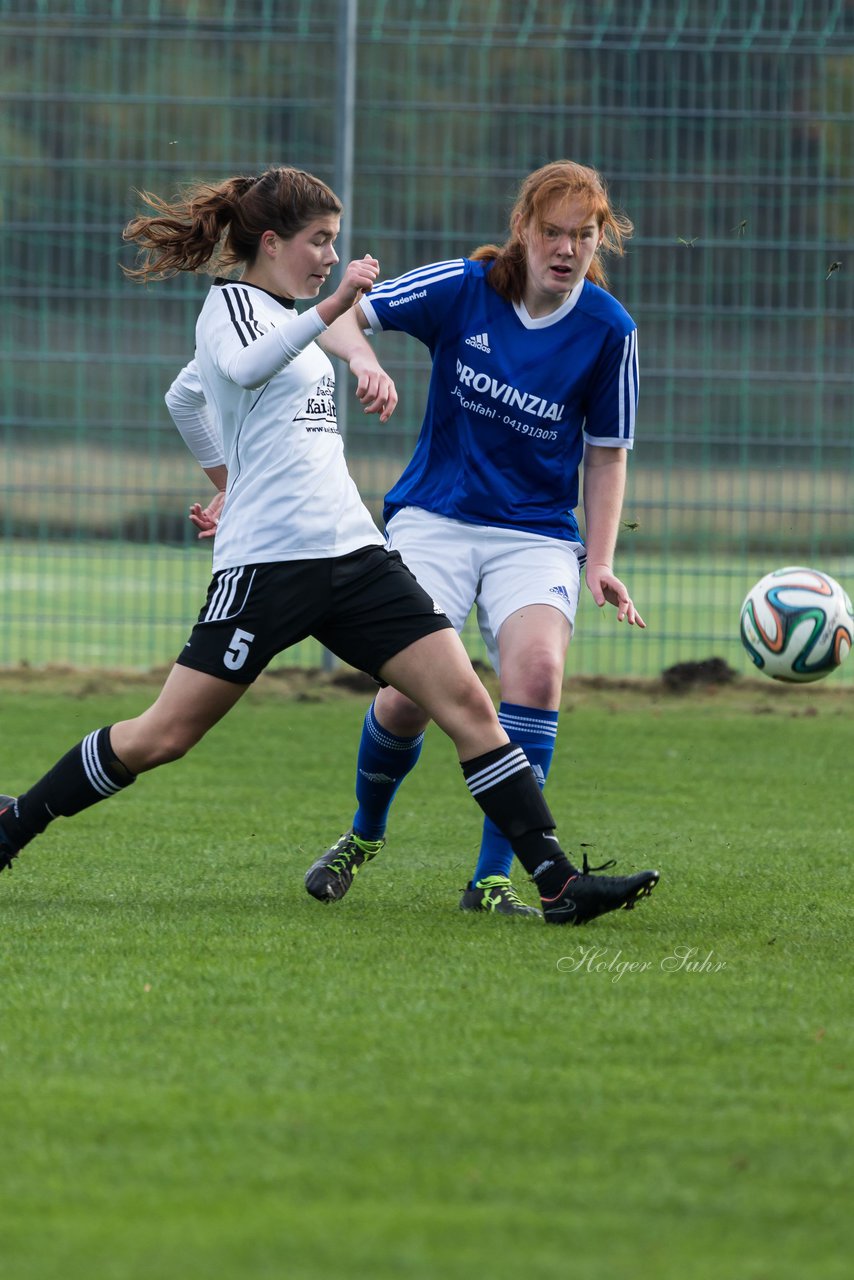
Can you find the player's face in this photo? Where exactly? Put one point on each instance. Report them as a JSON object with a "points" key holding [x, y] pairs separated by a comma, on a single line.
{"points": [[298, 267], [559, 254]]}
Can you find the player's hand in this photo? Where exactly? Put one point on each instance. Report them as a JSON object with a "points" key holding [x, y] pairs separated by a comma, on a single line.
{"points": [[606, 588], [358, 279], [206, 519], [375, 390]]}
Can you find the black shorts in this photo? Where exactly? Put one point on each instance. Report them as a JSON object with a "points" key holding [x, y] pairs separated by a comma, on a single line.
{"points": [[364, 607]]}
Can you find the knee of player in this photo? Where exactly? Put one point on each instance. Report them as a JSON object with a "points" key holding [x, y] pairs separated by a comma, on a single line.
{"points": [[398, 714], [537, 680], [473, 699], [165, 749]]}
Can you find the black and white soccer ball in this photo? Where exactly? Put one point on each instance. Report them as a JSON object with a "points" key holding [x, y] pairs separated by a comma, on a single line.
{"points": [[797, 624]]}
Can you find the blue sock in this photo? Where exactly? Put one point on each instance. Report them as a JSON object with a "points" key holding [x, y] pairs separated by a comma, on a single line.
{"points": [[534, 731], [382, 764]]}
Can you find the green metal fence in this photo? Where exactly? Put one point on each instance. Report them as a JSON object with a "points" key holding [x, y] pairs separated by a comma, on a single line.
{"points": [[724, 129]]}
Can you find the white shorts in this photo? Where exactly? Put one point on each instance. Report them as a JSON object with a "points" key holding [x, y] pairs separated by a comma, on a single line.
{"points": [[497, 570]]}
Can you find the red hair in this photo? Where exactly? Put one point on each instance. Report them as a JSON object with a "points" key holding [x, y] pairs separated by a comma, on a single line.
{"points": [[542, 192]]}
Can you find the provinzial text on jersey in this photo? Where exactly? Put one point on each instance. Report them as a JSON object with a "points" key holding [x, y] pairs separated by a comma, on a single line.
{"points": [[509, 395]]}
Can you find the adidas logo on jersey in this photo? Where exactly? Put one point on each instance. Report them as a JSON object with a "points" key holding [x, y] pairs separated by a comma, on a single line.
{"points": [[480, 341], [560, 591]]}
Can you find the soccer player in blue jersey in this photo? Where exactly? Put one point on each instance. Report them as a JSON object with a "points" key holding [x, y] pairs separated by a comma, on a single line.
{"points": [[534, 371], [297, 552]]}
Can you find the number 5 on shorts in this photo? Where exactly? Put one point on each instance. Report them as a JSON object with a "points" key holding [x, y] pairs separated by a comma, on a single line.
{"points": [[238, 651]]}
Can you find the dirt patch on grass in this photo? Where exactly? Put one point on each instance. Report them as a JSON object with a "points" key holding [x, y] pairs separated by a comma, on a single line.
{"points": [[710, 684]]}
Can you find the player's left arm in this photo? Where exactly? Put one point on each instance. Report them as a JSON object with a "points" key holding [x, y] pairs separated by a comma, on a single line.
{"points": [[604, 488], [345, 339], [206, 519], [192, 415]]}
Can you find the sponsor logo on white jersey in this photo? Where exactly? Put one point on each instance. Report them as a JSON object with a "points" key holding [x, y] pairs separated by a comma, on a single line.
{"points": [[319, 409], [480, 341]]}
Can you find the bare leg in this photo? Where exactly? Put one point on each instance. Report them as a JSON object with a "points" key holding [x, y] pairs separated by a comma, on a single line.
{"points": [[532, 645], [108, 759], [435, 672], [399, 714], [189, 704]]}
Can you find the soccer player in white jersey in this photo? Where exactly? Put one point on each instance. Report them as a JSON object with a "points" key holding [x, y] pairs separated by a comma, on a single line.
{"points": [[297, 552], [534, 369]]}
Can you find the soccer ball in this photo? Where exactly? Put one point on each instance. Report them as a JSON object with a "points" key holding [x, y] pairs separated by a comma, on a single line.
{"points": [[797, 624]]}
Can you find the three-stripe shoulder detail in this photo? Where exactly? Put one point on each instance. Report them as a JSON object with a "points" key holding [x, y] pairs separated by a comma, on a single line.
{"points": [[419, 278], [239, 302], [628, 386]]}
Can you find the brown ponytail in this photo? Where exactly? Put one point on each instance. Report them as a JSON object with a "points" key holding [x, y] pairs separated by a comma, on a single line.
{"points": [[219, 226]]}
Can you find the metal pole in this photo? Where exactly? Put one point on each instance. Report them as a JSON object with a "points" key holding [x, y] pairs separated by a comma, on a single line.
{"points": [[345, 110]]}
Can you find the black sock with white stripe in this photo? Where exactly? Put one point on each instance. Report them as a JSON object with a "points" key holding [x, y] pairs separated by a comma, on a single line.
{"points": [[504, 785], [89, 772]]}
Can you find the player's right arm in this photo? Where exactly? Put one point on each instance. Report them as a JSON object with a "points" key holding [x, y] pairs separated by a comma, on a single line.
{"points": [[247, 351]]}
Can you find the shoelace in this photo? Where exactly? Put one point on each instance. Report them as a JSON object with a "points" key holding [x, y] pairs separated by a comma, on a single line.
{"points": [[587, 870], [351, 849], [343, 860], [504, 888], [512, 896]]}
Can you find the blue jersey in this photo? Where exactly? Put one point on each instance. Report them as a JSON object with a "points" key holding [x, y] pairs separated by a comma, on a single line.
{"points": [[512, 399]]}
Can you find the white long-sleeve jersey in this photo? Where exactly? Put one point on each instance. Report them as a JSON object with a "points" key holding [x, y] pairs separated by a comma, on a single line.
{"points": [[189, 409], [262, 387]]}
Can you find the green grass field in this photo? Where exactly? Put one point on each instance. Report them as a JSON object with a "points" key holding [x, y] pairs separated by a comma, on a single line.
{"points": [[205, 1073]]}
